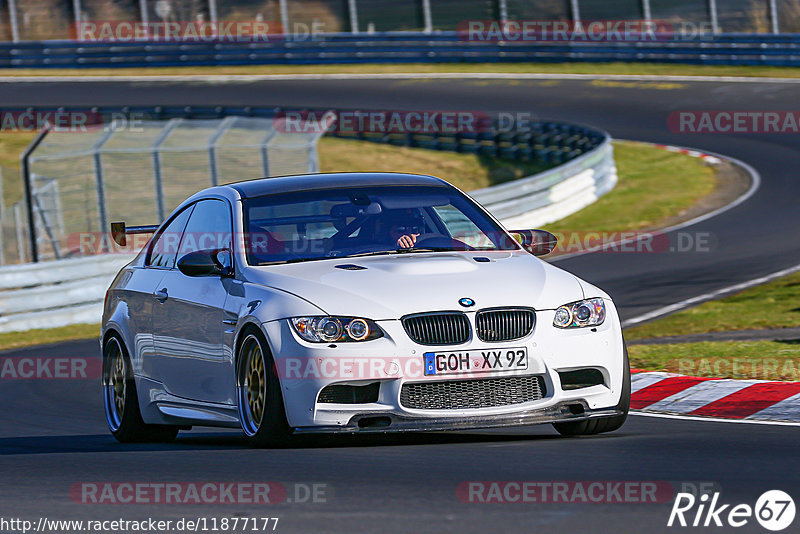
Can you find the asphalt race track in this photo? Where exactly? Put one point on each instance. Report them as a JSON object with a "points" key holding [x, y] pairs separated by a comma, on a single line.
{"points": [[53, 435]]}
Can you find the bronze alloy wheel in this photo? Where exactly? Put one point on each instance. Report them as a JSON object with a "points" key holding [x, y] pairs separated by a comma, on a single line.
{"points": [[252, 385], [114, 383]]}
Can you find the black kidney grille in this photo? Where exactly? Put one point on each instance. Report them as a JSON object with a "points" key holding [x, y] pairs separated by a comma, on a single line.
{"points": [[447, 328], [504, 324], [468, 394]]}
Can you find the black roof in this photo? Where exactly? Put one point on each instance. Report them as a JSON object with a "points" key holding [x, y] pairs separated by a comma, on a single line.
{"points": [[334, 180]]}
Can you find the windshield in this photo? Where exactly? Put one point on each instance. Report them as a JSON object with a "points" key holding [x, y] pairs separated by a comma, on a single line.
{"points": [[341, 223]]}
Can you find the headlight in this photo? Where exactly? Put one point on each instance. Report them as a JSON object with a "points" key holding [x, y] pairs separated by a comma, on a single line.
{"points": [[335, 329], [590, 312]]}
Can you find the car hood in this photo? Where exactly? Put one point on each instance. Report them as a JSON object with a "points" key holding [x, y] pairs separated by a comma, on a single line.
{"points": [[389, 287]]}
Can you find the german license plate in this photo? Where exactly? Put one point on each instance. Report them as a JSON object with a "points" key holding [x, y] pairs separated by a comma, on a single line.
{"points": [[475, 361]]}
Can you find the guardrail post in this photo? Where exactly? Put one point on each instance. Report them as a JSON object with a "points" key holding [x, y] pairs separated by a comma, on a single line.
{"points": [[26, 182], [353, 12], [426, 16], [773, 16], [575, 10], [12, 16], [712, 14]]}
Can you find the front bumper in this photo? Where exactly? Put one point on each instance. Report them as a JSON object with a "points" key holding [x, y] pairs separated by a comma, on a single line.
{"points": [[397, 422], [306, 368]]}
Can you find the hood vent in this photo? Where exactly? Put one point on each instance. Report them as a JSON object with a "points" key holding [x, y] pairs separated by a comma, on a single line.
{"points": [[350, 267]]}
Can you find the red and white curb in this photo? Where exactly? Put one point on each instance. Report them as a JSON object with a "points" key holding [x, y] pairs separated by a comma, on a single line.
{"points": [[708, 158], [752, 400]]}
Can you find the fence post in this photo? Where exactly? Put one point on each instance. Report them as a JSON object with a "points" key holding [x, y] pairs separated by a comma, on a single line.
{"points": [[773, 16], [12, 17], [212, 13], [157, 167], [102, 213], [77, 12], [575, 10], [26, 182], [353, 11], [502, 10], [646, 12], [426, 16], [284, 16], [143, 14], [712, 13], [20, 232]]}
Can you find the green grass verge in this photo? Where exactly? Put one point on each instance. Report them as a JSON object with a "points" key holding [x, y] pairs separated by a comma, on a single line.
{"points": [[653, 186], [13, 340], [760, 360], [643, 173], [772, 305], [656, 69], [466, 171]]}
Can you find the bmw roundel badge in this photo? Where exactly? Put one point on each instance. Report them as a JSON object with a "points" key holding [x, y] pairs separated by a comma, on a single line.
{"points": [[466, 302]]}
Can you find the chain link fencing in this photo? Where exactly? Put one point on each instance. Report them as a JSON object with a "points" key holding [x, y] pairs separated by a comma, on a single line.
{"points": [[80, 182], [30, 20]]}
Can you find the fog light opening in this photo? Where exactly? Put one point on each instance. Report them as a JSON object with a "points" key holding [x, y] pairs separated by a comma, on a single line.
{"points": [[576, 409]]}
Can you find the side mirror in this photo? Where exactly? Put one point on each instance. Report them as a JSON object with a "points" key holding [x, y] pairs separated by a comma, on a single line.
{"points": [[537, 242], [213, 262]]}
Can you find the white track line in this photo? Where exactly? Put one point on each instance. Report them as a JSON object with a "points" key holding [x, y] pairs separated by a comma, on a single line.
{"points": [[713, 419], [708, 296], [246, 78], [755, 183]]}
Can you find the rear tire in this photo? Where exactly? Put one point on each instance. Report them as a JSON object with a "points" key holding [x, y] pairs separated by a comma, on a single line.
{"points": [[599, 425], [258, 392], [121, 402]]}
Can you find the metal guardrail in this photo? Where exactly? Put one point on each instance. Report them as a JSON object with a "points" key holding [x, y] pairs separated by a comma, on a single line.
{"points": [[400, 47], [55, 293], [63, 292]]}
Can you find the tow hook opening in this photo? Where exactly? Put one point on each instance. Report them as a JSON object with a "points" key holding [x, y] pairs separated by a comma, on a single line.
{"points": [[576, 409], [374, 422]]}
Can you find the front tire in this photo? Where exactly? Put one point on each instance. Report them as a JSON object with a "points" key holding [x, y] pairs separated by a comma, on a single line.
{"points": [[599, 425], [121, 402], [258, 393]]}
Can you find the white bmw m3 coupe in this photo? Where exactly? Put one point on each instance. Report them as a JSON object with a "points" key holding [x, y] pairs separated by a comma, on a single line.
{"points": [[356, 303]]}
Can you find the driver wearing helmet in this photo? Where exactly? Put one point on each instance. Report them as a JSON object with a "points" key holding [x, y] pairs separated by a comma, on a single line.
{"points": [[403, 227]]}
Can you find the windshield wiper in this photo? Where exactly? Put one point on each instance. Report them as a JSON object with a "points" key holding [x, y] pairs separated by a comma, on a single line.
{"points": [[398, 251]]}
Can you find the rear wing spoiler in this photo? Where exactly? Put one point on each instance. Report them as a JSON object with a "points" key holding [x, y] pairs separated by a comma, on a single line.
{"points": [[119, 231]]}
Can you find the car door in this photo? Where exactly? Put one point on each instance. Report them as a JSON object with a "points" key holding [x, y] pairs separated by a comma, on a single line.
{"points": [[160, 258], [193, 361]]}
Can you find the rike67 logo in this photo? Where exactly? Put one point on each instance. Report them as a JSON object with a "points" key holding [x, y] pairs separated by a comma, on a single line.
{"points": [[774, 510]]}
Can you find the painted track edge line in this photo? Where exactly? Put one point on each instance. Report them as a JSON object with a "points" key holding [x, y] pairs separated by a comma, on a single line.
{"points": [[755, 184], [686, 303], [244, 78], [712, 419]]}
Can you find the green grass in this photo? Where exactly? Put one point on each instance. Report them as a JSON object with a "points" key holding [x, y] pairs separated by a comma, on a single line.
{"points": [[656, 69], [654, 185], [772, 305], [643, 171], [12, 340], [465, 171], [761, 360]]}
